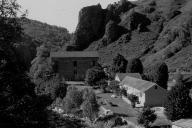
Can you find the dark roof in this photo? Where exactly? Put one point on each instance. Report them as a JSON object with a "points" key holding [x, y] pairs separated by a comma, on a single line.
{"points": [[139, 84], [123, 75], [184, 123], [74, 54]]}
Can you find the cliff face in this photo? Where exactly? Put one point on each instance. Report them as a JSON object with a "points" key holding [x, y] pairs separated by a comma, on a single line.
{"points": [[153, 30], [90, 26]]}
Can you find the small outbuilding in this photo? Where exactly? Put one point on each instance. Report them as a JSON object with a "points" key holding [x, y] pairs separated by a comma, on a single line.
{"points": [[148, 93]]}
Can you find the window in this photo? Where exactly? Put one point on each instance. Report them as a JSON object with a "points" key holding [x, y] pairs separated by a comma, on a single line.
{"points": [[156, 87], [75, 63], [75, 72], [93, 63]]}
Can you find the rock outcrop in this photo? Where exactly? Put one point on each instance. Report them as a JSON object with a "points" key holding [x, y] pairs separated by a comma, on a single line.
{"points": [[90, 26]]}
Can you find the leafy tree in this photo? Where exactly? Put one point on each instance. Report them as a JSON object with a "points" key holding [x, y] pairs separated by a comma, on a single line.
{"points": [[102, 85], [60, 90], [158, 74], [73, 99], [147, 117], [94, 75], [90, 107], [133, 99], [178, 103], [119, 64], [134, 66]]}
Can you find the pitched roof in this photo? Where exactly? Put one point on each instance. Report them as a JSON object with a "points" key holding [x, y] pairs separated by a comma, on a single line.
{"points": [[74, 54], [139, 84], [184, 123], [123, 75]]}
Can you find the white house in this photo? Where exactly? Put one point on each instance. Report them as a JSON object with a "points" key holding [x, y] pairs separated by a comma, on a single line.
{"points": [[149, 93], [120, 76], [182, 123]]}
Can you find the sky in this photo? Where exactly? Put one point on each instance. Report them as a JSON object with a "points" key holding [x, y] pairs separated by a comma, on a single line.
{"points": [[63, 13]]}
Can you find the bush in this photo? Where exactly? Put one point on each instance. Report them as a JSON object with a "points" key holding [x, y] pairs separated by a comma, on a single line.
{"points": [[73, 100], [147, 117], [119, 64], [90, 107], [60, 90], [94, 75], [133, 99]]}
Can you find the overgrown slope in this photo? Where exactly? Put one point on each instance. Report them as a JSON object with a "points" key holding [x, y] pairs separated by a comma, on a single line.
{"points": [[153, 30]]}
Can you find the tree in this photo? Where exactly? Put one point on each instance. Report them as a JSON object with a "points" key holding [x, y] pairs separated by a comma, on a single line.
{"points": [[94, 75], [147, 117], [119, 64], [114, 86], [90, 107], [134, 66], [60, 90], [73, 100], [133, 99], [158, 74], [178, 103]]}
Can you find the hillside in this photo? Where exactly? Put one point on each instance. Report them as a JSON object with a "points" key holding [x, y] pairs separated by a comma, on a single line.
{"points": [[36, 33], [153, 30]]}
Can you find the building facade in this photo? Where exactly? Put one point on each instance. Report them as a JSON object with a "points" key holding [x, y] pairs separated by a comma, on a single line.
{"points": [[72, 66], [148, 93]]}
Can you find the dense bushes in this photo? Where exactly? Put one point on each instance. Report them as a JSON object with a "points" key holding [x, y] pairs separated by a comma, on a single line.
{"points": [[178, 103], [94, 75], [147, 117], [82, 102], [119, 64]]}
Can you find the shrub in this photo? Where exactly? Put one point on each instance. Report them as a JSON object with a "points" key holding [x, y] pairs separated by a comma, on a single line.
{"points": [[133, 99], [119, 64], [60, 90], [147, 117], [73, 99], [94, 75], [90, 107]]}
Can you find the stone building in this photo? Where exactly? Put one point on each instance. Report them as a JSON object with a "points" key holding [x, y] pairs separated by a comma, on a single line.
{"points": [[72, 66]]}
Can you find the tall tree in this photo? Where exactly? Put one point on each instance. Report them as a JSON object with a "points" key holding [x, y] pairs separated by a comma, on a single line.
{"points": [[19, 105], [94, 75], [90, 107], [158, 74], [119, 64], [178, 103], [134, 66]]}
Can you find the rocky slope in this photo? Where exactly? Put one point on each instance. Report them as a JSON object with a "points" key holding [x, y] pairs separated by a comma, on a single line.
{"points": [[153, 30]]}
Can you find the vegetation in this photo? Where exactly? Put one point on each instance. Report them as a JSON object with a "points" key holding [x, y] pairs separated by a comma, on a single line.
{"points": [[114, 87], [134, 66], [133, 99], [94, 75], [20, 106], [90, 107], [147, 117], [158, 74], [73, 100], [178, 103], [119, 64]]}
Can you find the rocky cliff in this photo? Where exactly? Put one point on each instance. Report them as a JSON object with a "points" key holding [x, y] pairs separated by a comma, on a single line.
{"points": [[153, 30]]}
